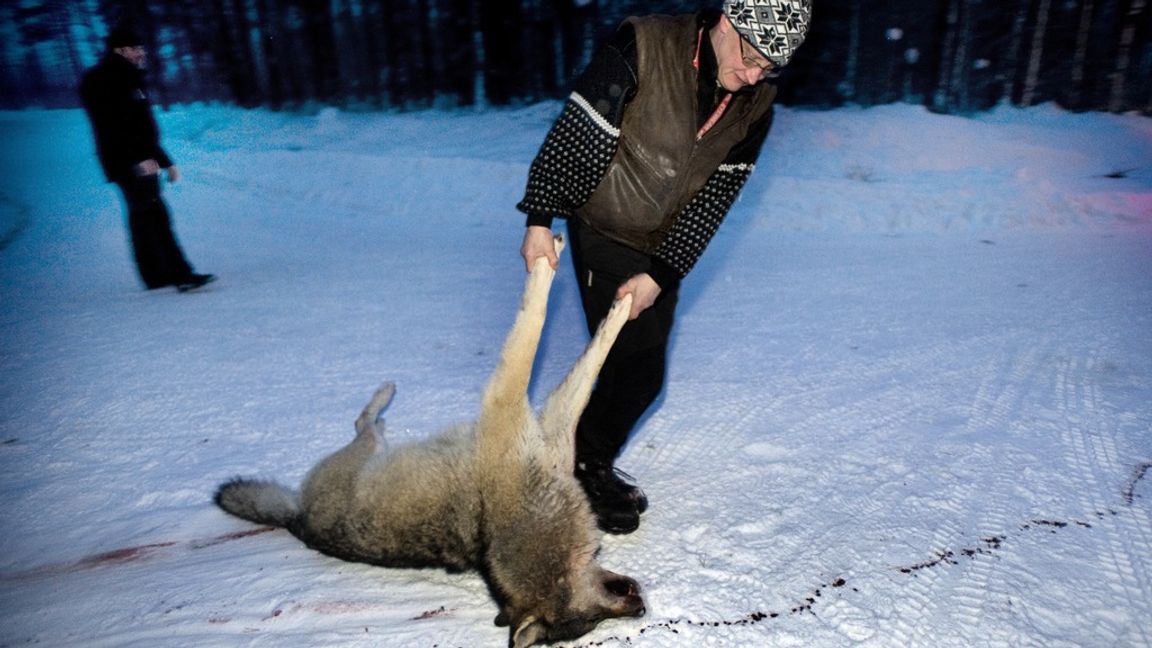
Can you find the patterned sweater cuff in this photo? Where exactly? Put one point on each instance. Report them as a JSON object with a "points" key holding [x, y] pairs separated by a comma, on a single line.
{"points": [[539, 220], [664, 275]]}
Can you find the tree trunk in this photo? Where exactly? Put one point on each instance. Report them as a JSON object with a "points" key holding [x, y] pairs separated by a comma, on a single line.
{"points": [[1124, 55], [373, 61], [852, 60], [959, 95], [1010, 68], [223, 46], [501, 26], [1080, 58], [72, 47], [271, 38], [253, 34], [479, 63], [321, 65], [941, 99], [1036, 54]]}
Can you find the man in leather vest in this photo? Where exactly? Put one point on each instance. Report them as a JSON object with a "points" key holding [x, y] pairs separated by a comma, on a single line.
{"points": [[659, 135], [128, 146]]}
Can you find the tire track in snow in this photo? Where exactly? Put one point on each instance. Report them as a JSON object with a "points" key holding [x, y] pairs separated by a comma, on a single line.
{"points": [[1012, 400], [14, 219], [894, 405], [1092, 461], [1007, 381], [1004, 381], [1090, 448], [903, 406]]}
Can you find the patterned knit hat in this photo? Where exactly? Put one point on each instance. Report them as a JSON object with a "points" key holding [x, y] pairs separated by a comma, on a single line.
{"points": [[774, 27]]}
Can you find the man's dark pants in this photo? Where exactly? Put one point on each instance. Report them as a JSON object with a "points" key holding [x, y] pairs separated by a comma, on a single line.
{"points": [[159, 258], [633, 373]]}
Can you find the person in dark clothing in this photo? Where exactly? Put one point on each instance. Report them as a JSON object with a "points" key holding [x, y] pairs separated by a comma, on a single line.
{"points": [[659, 135], [128, 147]]}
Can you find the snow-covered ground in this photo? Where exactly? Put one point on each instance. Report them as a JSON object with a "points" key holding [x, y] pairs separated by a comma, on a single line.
{"points": [[909, 402]]}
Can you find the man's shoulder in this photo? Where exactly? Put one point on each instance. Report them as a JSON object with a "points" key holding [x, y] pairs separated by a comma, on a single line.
{"points": [[102, 72], [93, 72], [109, 81], [113, 68], [92, 78]]}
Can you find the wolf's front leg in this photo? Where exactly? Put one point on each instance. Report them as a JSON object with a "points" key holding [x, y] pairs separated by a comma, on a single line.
{"points": [[565, 404], [507, 390]]}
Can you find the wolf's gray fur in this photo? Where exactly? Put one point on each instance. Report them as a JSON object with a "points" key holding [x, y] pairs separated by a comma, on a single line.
{"points": [[497, 495]]}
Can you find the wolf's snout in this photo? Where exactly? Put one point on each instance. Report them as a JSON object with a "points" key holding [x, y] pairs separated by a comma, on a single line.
{"points": [[622, 586]]}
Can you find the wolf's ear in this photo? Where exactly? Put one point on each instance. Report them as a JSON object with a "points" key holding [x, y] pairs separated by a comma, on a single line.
{"points": [[529, 631]]}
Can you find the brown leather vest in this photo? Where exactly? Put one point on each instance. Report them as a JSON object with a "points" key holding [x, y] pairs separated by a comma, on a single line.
{"points": [[660, 165]]}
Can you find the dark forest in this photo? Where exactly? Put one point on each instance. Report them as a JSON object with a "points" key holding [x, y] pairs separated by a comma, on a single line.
{"points": [[953, 56]]}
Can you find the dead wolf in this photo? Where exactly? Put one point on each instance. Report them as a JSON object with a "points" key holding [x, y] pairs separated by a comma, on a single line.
{"points": [[497, 495]]}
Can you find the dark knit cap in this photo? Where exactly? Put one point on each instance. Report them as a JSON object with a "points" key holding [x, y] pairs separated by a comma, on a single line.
{"points": [[123, 36]]}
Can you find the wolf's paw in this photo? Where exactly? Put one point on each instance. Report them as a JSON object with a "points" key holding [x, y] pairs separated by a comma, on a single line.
{"points": [[539, 283], [542, 273], [615, 319], [621, 308], [559, 242]]}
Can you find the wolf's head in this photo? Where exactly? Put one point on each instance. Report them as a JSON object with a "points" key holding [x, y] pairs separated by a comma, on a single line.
{"points": [[573, 608]]}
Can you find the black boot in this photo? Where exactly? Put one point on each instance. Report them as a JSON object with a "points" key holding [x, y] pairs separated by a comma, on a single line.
{"points": [[194, 281], [616, 502]]}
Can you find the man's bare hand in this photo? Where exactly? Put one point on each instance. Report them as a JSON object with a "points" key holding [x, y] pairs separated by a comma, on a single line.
{"points": [[644, 291], [146, 168], [538, 243], [173, 174]]}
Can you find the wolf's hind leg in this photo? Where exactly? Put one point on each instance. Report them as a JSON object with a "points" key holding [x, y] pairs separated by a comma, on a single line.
{"points": [[366, 422], [566, 403]]}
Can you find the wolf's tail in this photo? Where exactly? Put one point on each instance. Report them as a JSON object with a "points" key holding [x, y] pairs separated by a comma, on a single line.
{"points": [[262, 502]]}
